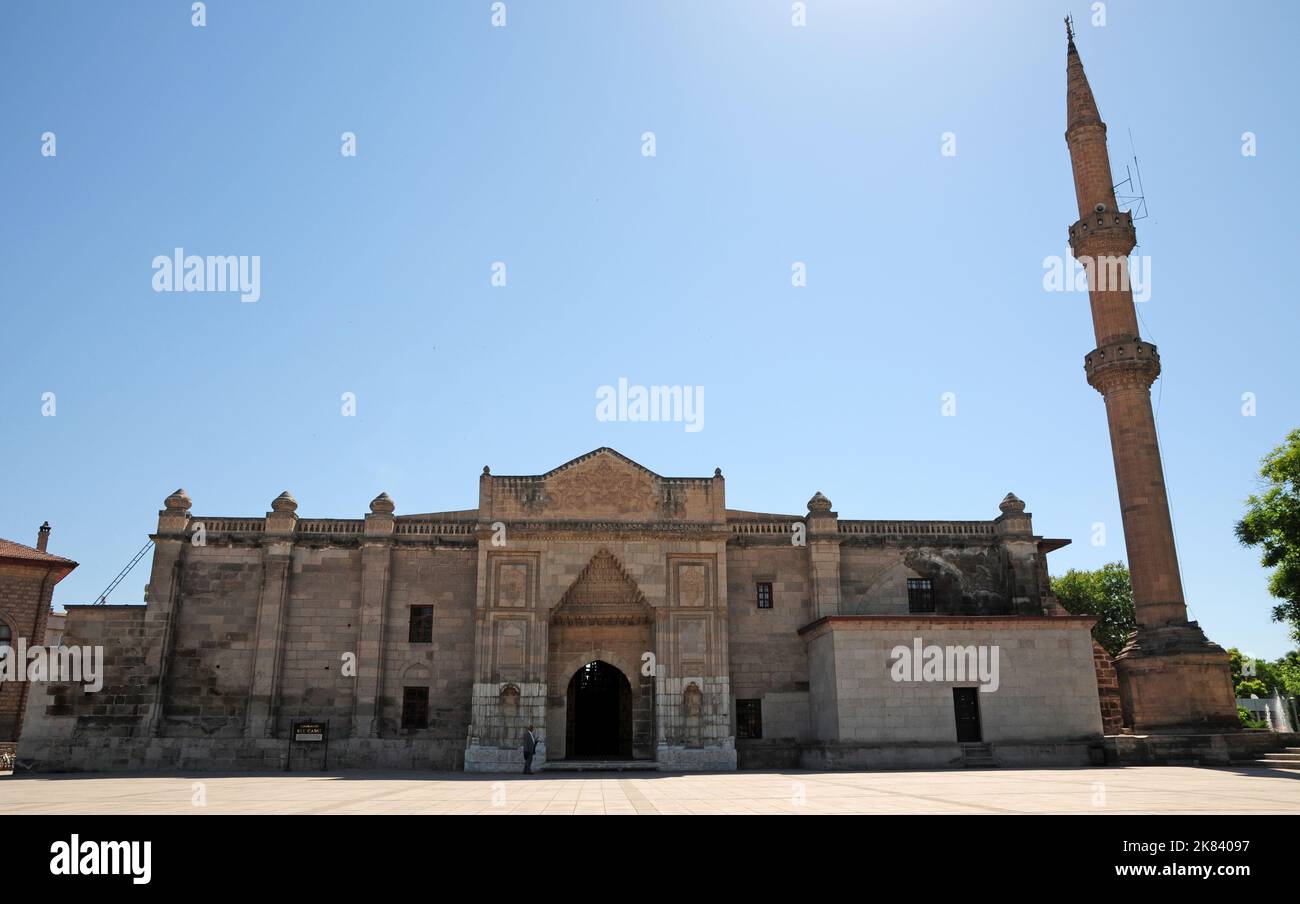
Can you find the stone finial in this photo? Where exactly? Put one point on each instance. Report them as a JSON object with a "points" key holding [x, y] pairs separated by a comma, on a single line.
{"points": [[382, 504], [487, 471], [178, 502], [1011, 504], [819, 503], [717, 472], [284, 503]]}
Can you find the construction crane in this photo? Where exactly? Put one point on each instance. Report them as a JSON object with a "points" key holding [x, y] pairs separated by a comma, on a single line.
{"points": [[103, 597]]}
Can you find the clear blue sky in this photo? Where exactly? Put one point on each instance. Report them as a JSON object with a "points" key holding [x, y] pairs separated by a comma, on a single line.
{"points": [[522, 144]]}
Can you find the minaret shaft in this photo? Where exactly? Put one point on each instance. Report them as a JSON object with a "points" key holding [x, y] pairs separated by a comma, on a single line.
{"points": [[1171, 677], [1123, 367]]}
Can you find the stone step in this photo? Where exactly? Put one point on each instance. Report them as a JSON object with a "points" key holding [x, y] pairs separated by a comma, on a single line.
{"points": [[1268, 764], [978, 756], [1283, 757], [601, 766]]}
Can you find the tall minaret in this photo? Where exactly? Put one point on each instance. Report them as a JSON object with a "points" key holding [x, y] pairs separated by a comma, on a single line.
{"points": [[1171, 676]]}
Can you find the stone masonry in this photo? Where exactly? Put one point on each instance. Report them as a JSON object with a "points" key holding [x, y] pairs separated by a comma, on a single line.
{"points": [[252, 625], [27, 579]]}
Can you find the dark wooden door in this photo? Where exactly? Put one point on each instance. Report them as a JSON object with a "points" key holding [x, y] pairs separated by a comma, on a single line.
{"points": [[966, 706]]}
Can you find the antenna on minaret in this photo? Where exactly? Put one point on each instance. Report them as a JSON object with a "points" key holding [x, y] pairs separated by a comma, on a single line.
{"points": [[1129, 194], [1069, 28]]}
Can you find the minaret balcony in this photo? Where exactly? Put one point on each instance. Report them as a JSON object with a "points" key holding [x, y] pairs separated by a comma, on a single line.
{"points": [[1125, 364], [1103, 232]]}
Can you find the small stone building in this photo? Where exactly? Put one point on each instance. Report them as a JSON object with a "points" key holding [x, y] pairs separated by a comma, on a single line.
{"points": [[27, 578], [624, 614]]}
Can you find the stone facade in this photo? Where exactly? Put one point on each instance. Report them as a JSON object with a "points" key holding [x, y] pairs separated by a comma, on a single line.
{"points": [[433, 641]]}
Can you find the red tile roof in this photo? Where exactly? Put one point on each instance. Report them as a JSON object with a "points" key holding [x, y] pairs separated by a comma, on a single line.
{"points": [[11, 550]]}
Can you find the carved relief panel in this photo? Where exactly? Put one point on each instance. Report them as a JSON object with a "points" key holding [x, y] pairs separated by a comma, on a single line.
{"points": [[693, 581], [512, 581], [510, 648]]}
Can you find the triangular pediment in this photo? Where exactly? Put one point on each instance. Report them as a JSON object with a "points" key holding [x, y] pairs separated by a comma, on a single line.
{"points": [[602, 592], [604, 453], [603, 486]]}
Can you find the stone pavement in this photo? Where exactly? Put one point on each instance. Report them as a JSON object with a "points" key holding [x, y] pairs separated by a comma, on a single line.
{"points": [[1174, 789]]}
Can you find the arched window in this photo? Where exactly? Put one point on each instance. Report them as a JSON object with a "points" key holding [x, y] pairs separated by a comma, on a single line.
{"points": [[6, 634]]}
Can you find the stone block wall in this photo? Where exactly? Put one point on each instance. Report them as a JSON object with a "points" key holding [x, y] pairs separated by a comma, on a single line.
{"points": [[63, 720], [969, 579], [445, 579], [208, 673], [25, 594], [321, 624], [768, 659], [1112, 716], [1046, 685]]}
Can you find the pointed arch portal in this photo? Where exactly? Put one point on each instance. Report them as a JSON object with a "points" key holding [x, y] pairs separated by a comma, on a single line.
{"points": [[599, 713]]}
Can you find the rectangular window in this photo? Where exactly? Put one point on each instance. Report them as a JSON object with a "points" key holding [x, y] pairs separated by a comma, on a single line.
{"points": [[415, 707], [765, 594], [421, 624], [920, 595], [749, 718]]}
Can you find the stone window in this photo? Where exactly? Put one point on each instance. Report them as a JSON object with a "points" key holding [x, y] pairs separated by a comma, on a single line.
{"points": [[415, 707], [421, 624], [749, 718], [764, 594], [920, 595]]}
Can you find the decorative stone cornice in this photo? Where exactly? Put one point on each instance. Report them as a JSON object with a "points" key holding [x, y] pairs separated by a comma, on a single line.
{"points": [[920, 623], [595, 530]]}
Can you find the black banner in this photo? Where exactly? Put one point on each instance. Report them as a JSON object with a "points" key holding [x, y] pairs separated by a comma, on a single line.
{"points": [[930, 853]]}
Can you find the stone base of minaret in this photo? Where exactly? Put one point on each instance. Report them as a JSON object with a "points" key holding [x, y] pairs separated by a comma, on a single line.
{"points": [[1173, 679]]}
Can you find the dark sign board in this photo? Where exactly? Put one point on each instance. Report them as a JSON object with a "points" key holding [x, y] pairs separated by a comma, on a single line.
{"points": [[309, 731]]}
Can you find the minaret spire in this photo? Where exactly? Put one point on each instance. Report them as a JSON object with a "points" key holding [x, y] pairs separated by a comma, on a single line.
{"points": [[1085, 131], [1171, 676]]}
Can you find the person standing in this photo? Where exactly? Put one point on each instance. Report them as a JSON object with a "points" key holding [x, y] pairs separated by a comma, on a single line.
{"points": [[530, 748]]}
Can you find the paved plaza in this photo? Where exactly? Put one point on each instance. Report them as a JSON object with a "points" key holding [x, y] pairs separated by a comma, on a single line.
{"points": [[1173, 789]]}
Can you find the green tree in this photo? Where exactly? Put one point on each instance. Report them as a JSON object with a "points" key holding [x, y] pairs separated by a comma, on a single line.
{"points": [[1248, 721], [1282, 674], [1105, 594], [1272, 522], [1287, 671]]}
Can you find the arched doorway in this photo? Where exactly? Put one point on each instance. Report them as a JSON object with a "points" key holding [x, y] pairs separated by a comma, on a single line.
{"points": [[599, 720]]}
